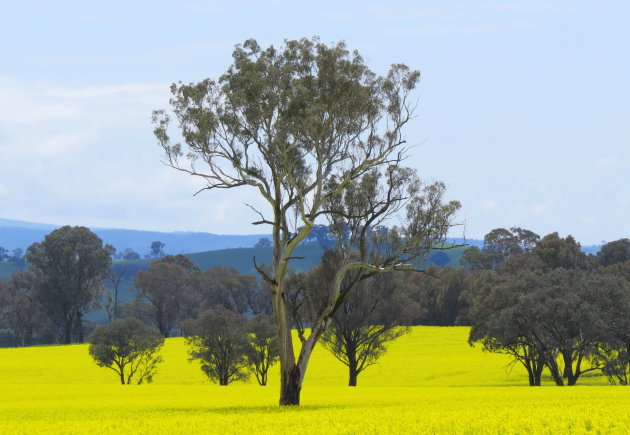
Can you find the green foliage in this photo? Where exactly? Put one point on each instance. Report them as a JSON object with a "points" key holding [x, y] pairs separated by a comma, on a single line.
{"points": [[226, 287], [557, 319], [127, 347], [317, 134], [557, 252], [219, 340], [70, 265], [499, 245], [262, 351], [165, 285], [614, 252], [8, 268]]}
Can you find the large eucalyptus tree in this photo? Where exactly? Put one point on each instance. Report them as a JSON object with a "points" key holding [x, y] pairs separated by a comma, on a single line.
{"points": [[306, 125], [70, 265]]}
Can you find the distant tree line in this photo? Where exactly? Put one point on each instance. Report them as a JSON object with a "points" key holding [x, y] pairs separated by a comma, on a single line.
{"points": [[542, 301]]}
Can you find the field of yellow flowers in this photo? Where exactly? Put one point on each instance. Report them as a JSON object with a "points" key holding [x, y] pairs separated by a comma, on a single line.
{"points": [[430, 381]]}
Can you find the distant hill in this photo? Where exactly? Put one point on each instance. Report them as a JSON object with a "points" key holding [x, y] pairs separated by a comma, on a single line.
{"points": [[18, 234]]}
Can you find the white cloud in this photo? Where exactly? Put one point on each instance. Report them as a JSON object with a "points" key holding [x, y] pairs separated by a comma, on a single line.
{"points": [[99, 165], [541, 207], [488, 205]]}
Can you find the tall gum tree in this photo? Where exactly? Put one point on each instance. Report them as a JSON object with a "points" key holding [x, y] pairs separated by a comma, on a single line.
{"points": [[303, 125], [70, 265]]}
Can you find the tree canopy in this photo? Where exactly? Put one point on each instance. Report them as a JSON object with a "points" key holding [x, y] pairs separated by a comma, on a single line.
{"points": [[219, 340], [319, 136], [127, 347], [70, 264]]}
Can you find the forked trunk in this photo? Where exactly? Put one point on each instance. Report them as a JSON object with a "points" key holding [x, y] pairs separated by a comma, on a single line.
{"points": [[290, 376], [290, 386], [292, 372]]}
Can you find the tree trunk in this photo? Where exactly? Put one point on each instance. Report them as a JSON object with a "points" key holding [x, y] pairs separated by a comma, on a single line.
{"points": [[67, 330], [537, 373], [291, 386], [290, 376], [530, 375], [78, 326], [555, 373], [292, 373], [570, 374], [353, 377]]}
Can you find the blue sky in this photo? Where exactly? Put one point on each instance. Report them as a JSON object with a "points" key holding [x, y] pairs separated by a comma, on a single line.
{"points": [[524, 106]]}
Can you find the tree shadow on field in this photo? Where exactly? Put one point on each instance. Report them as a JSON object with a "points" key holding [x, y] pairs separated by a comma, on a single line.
{"points": [[262, 409]]}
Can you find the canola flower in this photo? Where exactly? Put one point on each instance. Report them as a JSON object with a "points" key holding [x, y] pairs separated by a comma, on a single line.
{"points": [[430, 381]]}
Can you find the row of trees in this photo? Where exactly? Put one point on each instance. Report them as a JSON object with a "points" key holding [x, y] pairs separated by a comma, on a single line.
{"points": [[549, 306], [228, 345], [574, 316], [16, 256], [66, 281], [566, 321], [66, 277]]}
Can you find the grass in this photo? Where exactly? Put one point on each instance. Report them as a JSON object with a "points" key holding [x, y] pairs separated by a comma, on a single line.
{"points": [[430, 381]]}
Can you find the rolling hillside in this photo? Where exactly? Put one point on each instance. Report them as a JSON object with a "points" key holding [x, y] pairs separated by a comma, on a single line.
{"points": [[241, 259], [18, 234]]}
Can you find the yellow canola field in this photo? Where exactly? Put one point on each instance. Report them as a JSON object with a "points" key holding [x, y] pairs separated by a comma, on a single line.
{"points": [[430, 381]]}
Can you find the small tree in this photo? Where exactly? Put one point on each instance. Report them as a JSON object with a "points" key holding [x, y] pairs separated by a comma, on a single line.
{"points": [[157, 249], [262, 351], [165, 286], [130, 254], [129, 348], [116, 275], [614, 252], [556, 252], [263, 242], [18, 258], [226, 287], [219, 340], [373, 314], [22, 310]]}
